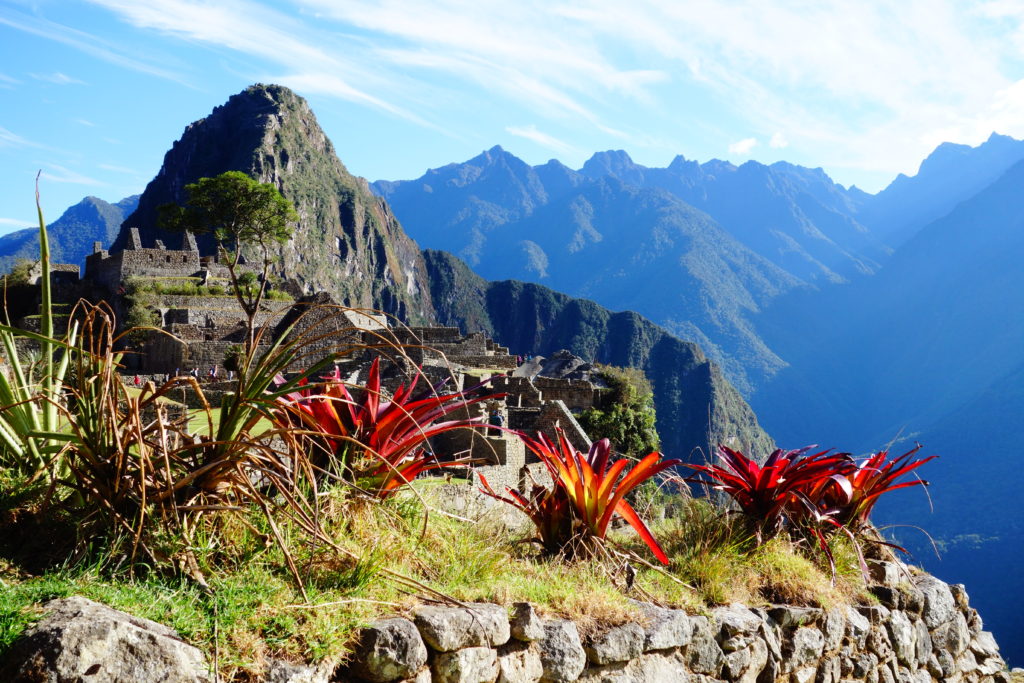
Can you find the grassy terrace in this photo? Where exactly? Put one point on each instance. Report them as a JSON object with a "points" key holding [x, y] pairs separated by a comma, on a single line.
{"points": [[192, 286]]}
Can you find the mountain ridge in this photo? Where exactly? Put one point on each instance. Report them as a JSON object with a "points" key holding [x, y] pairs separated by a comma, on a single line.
{"points": [[72, 235]]}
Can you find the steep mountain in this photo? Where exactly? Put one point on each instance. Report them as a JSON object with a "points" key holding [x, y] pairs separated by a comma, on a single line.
{"points": [[697, 407], [72, 235], [625, 246], [951, 174], [347, 241]]}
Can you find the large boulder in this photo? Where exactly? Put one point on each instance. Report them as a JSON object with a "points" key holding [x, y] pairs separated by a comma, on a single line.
{"points": [[82, 640]]}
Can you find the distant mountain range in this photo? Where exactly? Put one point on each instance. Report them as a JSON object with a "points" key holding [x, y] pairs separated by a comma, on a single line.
{"points": [[72, 235]]}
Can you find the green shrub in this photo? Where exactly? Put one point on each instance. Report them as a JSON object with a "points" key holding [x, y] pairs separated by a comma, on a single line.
{"points": [[627, 417]]}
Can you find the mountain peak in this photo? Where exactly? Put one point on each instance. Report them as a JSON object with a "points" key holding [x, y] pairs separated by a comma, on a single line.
{"points": [[616, 163], [346, 241]]}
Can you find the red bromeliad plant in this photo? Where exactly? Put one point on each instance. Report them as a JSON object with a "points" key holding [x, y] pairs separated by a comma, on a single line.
{"points": [[819, 488], [374, 441], [587, 493], [869, 480], [783, 488]]}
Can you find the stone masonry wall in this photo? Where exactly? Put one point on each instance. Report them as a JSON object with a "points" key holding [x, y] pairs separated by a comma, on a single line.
{"points": [[922, 631], [577, 394]]}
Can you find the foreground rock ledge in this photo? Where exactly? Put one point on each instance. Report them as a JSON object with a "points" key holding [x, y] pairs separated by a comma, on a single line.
{"points": [[923, 631]]}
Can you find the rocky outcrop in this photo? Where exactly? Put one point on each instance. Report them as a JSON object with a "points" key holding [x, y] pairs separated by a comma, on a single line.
{"points": [[921, 630]]}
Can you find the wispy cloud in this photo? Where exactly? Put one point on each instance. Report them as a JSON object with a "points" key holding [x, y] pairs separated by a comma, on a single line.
{"points": [[84, 122], [61, 174], [57, 78], [742, 147], [543, 139], [11, 139], [7, 83], [252, 29], [15, 222], [874, 83], [84, 42]]}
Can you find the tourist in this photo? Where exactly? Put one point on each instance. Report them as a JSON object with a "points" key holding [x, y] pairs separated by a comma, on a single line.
{"points": [[495, 420], [137, 380]]}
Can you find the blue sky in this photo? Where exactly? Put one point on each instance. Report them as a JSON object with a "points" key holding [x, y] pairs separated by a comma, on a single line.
{"points": [[94, 92]]}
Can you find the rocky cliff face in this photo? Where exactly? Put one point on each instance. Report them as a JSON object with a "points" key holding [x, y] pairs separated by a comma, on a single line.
{"points": [[347, 240], [697, 407]]}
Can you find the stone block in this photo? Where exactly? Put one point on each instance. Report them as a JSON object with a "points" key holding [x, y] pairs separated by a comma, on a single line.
{"points": [[561, 651], [804, 648], [82, 640], [618, 644], [526, 623], [451, 628], [703, 654], [666, 628], [939, 604], [736, 620], [468, 665], [519, 662], [389, 650]]}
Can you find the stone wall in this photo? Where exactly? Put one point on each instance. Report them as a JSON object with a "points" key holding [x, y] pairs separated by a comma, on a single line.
{"points": [[577, 394], [922, 631], [555, 414], [110, 270]]}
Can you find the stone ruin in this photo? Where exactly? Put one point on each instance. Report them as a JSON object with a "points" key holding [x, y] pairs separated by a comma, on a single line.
{"points": [[201, 329]]}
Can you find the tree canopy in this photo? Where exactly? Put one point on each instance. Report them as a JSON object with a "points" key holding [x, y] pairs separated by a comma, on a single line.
{"points": [[237, 210]]}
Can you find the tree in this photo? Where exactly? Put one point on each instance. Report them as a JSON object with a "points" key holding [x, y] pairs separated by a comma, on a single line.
{"points": [[627, 417], [240, 213]]}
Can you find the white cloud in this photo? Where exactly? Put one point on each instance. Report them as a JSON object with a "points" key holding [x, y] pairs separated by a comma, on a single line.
{"points": [[58, 78], [84, 42], [742, 147], [874, 83], [84, 122], [61, 174], [15, 222], [254, 30], [11, 139], [543, 139]]}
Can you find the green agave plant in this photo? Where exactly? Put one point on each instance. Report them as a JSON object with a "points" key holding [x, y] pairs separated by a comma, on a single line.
{"points": [[30, 395]]}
